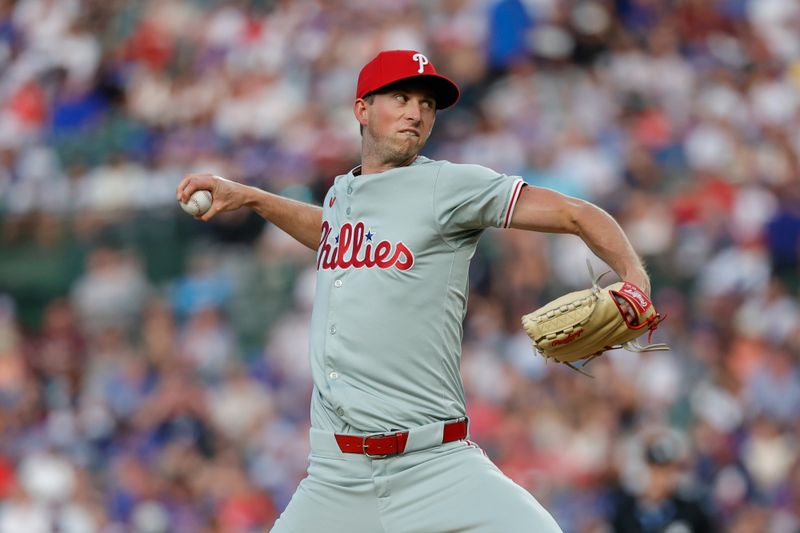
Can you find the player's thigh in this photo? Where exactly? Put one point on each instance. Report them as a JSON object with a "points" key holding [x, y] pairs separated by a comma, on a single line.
{"points": [[334, 497], [461, 490]]}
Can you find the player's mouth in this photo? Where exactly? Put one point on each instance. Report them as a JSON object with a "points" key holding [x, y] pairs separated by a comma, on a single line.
{"points": [[410, 131]]}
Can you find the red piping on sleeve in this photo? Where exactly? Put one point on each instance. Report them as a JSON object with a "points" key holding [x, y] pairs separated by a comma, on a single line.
{"points": [[513, 201]]}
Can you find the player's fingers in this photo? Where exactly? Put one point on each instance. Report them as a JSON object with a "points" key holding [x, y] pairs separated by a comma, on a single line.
{"points": [[630, 314], [214, 210], [185, 188], [193, 182]]}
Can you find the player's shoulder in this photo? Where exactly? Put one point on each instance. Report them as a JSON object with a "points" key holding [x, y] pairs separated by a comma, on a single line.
{"points": [[466, 171]]}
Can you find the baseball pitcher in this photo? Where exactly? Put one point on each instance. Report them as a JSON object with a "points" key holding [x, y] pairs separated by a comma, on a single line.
{"points": [[390, 448]]}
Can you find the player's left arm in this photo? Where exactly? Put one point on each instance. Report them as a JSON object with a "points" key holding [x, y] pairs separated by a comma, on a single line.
{"points": [[539, 209]]}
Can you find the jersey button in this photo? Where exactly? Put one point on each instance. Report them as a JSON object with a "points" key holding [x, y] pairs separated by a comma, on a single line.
{"points": [[339, 411], [333, 375], [333, 330], [349, 190], [348, 211], [337, 283]]}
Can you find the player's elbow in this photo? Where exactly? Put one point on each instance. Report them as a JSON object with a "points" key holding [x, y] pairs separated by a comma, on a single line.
{"points": [[582, 216]]}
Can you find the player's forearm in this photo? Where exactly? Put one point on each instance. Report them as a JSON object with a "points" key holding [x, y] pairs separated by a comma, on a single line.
{"points": [[603, 235], [300, 220]]}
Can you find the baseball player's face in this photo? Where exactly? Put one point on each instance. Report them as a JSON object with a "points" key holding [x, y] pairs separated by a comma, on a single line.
{"points": [[398, 121]]}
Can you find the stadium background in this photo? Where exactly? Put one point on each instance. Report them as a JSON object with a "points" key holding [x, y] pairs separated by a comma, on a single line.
{"points": [[153, 372]]}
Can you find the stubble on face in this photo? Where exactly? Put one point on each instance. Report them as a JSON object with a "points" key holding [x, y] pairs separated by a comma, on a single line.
{"points": [[393, 137], [394, 148]]}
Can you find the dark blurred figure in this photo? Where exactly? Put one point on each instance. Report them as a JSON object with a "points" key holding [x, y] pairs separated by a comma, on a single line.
{"points": [[660, 503]]}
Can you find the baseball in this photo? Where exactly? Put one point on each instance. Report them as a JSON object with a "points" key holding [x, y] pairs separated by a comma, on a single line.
{"points": [[199, 202]]}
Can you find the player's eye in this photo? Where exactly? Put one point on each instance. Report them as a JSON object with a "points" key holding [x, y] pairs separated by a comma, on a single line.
{"points": [[400, 97]]}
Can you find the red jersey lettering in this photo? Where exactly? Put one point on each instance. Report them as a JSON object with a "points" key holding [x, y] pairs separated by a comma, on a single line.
{"points": [[352, 241]]}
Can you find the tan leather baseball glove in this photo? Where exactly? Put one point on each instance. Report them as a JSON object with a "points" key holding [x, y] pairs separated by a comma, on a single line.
{"points": [[581, 325]]}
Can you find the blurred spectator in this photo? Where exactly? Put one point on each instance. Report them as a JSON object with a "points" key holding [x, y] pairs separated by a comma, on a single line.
{"points": [[207, 341], [205, 285], [657, 500], [773, 387], [239, 405], [112, 291], [508, 31]]}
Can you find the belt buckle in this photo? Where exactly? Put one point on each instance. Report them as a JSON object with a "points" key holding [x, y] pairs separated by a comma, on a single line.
{"points": [[364, 446]]}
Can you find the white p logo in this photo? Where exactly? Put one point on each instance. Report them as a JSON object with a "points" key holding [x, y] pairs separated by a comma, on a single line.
{"points": [[422, 61]]}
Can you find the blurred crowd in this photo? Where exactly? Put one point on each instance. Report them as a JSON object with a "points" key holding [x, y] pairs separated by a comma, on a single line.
{"points": [[180, 403]]}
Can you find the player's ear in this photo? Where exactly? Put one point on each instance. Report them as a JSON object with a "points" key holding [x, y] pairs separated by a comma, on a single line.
{"points": [[360, 111]]}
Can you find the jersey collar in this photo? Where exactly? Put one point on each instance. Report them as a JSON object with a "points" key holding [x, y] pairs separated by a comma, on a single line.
{"points": [[419, 160]]}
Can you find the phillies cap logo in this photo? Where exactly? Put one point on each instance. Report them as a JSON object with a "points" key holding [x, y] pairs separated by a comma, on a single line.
{"points": [[422, 60]]}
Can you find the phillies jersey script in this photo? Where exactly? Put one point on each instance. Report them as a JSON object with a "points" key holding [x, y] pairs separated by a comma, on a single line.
{"points": [[392, 269]]}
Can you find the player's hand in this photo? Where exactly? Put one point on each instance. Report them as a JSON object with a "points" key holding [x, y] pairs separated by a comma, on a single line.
{"points": [[226, 195], [641, 280], [627, 310]]}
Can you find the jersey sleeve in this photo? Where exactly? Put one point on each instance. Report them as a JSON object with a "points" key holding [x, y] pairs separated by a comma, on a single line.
{"points": [[472, 197]]}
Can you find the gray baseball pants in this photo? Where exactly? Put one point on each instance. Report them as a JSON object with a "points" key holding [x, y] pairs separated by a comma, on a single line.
{"points": [[431, 488]]}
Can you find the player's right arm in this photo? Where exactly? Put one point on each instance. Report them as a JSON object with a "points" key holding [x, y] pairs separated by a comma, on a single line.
{"points": [[300, 220]]}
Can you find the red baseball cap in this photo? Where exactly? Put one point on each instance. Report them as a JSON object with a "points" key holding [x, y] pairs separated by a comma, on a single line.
{"points": [[390, 66]]}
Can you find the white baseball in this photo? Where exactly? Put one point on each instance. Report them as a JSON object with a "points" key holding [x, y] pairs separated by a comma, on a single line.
{"points": [[199, 202]]}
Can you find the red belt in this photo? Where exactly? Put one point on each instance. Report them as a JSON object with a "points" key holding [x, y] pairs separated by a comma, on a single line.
{"points": [[381, 445]]}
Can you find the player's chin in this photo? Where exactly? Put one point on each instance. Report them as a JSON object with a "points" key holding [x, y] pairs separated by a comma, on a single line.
{"points": [[407, 155], [410, 144]]}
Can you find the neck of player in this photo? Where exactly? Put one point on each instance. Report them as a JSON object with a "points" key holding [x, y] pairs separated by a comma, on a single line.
{"points": [[375, 160]]}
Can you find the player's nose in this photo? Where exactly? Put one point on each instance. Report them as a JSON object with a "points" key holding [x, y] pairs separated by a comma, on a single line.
{"points": [[414, 111]]}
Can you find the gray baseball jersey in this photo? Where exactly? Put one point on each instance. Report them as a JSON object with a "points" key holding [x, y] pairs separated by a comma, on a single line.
{"points": [[392, 269], [385, 352]]}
